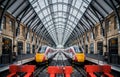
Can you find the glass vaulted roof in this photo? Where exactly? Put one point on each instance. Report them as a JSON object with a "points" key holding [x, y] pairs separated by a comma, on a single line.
{"points": [[60, 17]]}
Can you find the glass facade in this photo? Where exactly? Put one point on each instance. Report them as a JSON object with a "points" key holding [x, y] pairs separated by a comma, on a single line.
{"points": [[28, 48], [20, 48]]}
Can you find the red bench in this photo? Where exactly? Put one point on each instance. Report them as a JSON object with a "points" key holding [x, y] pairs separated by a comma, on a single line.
{"points": [[28, 69], [52, 70], [91, 69]]}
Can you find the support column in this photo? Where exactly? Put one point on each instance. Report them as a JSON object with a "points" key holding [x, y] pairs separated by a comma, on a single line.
{"points": [[15, 48], [0, 45], [95, 47], [119, 45], [89, 47]]}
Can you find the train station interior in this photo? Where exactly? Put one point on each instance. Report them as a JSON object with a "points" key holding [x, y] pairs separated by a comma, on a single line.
{"points": [[59, 38]]}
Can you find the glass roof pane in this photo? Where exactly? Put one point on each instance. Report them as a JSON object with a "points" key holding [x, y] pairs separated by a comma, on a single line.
{"points": [[65, 1], [78, 3], [55, 7], [65, 8], [41, 15], [60, 7], [74, 12], [54, 1], [42, 4], [63, 19]]}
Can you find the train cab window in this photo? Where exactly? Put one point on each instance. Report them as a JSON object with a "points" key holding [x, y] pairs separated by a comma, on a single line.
{"points": [[42, 49], [78, 50]]}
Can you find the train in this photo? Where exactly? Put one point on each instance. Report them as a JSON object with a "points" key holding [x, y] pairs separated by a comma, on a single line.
{"points": [[76, 53], [44, 53], [40, 54]]}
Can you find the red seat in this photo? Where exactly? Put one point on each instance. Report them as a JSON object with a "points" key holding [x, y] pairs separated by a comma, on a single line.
{"points": [[29, 69], [13, 70], [91, 69]]}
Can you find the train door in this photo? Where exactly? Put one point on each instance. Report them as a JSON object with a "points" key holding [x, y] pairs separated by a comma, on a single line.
{"points": [[6, 50], [113, 50], [113, 46], [92, 48], [28, 48], [33, 48], [100, 48], [86, 48], [20, 48]]}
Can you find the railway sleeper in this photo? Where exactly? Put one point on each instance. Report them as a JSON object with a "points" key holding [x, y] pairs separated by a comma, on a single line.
{"points": [[98, 74]]}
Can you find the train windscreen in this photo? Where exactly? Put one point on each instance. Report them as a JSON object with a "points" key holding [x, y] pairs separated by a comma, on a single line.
{"points": [[78, 50], [42, 49]]}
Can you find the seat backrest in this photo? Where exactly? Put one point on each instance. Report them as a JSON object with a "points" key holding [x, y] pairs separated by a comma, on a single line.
{"points": [[28, 68], [13, 68]]}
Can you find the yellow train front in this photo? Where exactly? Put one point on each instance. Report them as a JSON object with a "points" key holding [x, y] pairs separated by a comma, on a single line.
{"points": [[41, 54], [79, 55]]}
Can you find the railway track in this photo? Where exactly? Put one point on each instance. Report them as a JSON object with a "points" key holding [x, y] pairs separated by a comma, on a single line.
{"points": [[60, 61], [38, 71], [81, 71]]}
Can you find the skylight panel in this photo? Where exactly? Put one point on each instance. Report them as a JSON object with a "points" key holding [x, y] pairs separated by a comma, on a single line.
{"points": [[41, 3], [55, 7]]}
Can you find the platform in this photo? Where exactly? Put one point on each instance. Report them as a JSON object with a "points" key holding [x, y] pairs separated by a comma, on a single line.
{"points": [[25, 59], [100, 60]]}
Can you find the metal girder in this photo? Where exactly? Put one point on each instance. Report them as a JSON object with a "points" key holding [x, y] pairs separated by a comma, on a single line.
{"points": [[29, 17], [68, 29], [96, 14], [118, 1], [108, 4], [31, 21], [13, 1], [60, 22], [92, 28], [101, 7], [37, 26], [116, 12], [30, 25], [19, 21], [89, 20], [57, 3], [51, 9], [68, 10], [80, 30], [62, 18], [94, 9], [1, 2], [90, 16], [34, 16], [34, 27], [19, 6], [35, 22], [23, 10], [38, 32], [83, 25], [41, 31]]}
